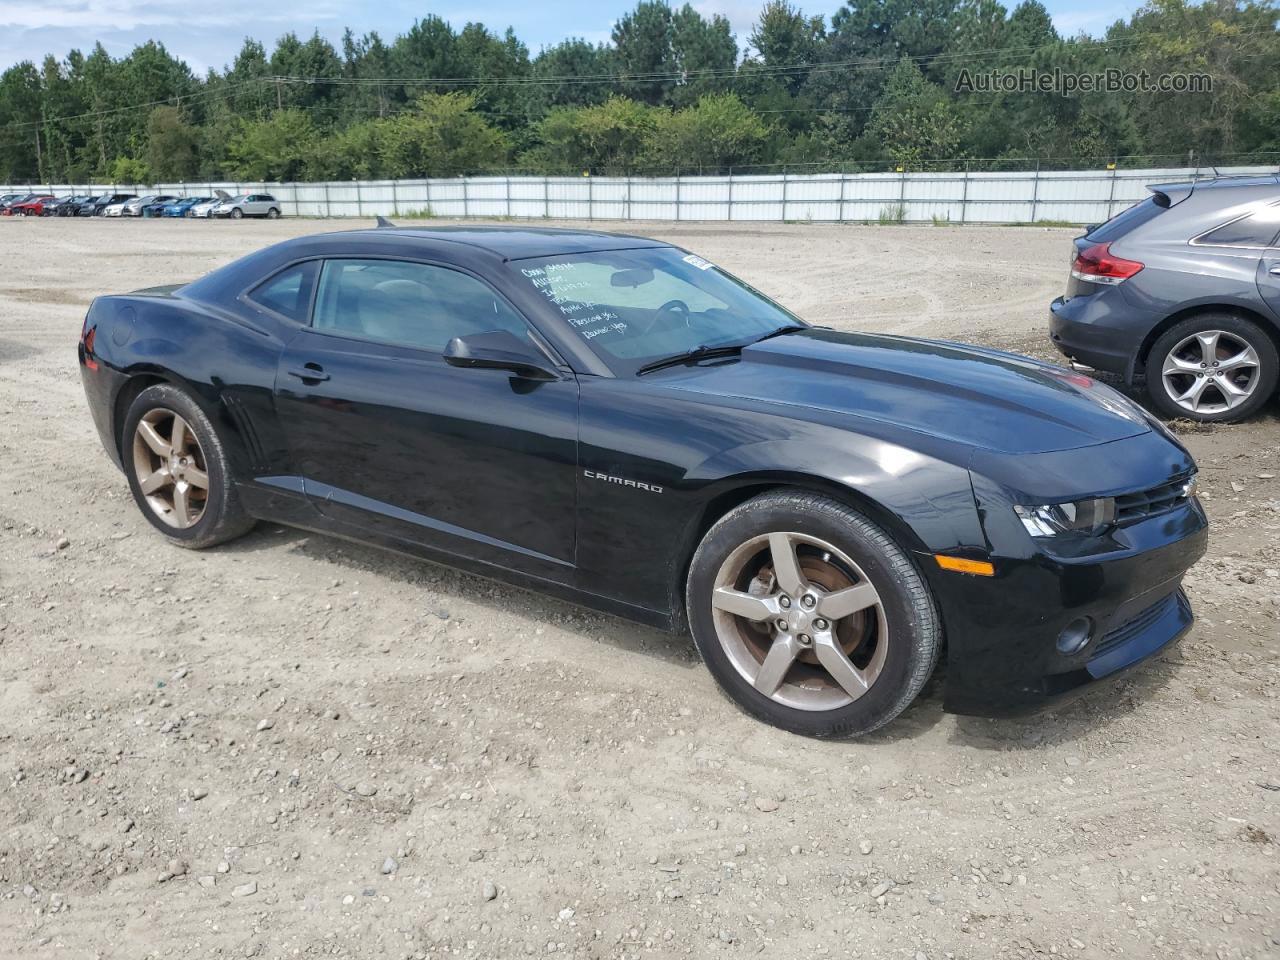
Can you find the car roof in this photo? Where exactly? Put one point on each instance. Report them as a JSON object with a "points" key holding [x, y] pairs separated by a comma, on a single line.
{"points": [[509, 243]]}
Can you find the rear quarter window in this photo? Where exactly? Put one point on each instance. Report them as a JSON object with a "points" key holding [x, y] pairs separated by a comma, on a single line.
{"points": [[1258, 229]]}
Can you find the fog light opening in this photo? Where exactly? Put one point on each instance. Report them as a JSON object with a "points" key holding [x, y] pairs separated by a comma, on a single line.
{"points": [[1075, 636]]}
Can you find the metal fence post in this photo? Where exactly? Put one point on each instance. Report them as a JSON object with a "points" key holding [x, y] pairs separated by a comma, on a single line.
{"points": [[395, 198], [466, 199], [1111, 195], [427, 182], [359, 201], [678, 198], [546, 196], [844, 179], [784, 193], [591, 197], [627, 200], [508, 179], [328, 211], [731, 194], [1035, 192], [964, 194]]}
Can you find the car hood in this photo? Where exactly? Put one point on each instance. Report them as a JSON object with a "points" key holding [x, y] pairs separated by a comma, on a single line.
{"points": [[957, 394]]}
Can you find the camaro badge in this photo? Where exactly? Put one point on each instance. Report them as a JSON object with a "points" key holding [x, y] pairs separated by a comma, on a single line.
{"points": [[651, 487]]}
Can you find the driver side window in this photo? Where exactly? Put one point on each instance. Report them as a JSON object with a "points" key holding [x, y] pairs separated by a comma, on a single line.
{"points": [[410, 304]]}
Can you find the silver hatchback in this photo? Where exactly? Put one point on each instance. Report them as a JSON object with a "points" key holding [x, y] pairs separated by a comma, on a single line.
{"points": [[249, 205], [1182, 289]]}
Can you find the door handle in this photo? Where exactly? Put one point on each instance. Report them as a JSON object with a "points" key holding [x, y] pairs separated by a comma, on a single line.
{"points": [[310, 371], [1275, 271]]}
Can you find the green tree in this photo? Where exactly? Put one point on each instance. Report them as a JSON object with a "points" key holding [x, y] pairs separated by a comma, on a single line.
{"points": [[913, 119], [172, 145], [611, 138], [642, 41], [276, 148], [720, 131], [442, 136]]}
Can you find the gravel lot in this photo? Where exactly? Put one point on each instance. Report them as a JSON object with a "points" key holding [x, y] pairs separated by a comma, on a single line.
{"points": [[293, 746]]}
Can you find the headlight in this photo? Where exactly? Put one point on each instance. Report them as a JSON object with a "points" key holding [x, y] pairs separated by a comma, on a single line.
{"points": [[1055, 519]]}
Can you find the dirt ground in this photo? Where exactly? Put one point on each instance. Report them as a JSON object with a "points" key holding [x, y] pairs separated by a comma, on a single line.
{"points": [[292, 746]]}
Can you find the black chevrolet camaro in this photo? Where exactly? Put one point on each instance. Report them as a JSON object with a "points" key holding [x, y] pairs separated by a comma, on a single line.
{"points": [[619, 422]]}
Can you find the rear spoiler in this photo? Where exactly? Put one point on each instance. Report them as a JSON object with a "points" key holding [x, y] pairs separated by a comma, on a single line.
{"points": [[1171, 194]]}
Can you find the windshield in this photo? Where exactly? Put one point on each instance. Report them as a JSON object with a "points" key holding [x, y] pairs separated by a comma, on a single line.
{"points": [[636, 306]]}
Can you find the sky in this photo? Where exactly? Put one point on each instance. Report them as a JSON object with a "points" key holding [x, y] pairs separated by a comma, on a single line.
{"points": [[209, 36]]}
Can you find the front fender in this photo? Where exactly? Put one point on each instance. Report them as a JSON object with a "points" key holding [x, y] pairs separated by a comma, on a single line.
{"points": [[926, 502]]}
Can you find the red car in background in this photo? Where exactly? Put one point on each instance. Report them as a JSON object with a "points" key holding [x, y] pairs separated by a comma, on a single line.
{"points": [[32, 206]]}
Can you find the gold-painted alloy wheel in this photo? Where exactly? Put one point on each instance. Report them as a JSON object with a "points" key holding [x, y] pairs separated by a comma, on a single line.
{"points": [[170, 467]]}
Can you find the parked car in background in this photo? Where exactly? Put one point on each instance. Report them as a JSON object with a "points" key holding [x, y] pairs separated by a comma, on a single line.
{"points": [[133, 208], [1184, 290], [32, 206], [205, 208], [7, 208], [157, 204], [61, 203], [249, 205], [9, 198], [104, 203], [180, 206], [72, 208]]}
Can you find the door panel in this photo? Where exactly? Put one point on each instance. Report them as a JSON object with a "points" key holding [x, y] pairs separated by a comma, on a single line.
{"points": [[473, 461], [1269, 279]]}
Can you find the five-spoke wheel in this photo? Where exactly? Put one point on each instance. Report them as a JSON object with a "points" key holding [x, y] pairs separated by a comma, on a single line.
{"points": [[170, 467], [800, 620], [810, 616], [179, 470]]}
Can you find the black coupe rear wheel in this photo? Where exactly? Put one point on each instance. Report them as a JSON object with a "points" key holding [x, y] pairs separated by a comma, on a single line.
{"points": [[810, 616], [178, 470]]}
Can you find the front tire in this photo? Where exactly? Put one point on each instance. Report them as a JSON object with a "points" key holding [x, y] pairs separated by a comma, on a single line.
{"points": [[810, 616], [237, 213], [178, 470], [1212, 368]]}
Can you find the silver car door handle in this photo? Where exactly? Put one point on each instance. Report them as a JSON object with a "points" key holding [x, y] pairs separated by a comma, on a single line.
{"points": [[1275, 271]]}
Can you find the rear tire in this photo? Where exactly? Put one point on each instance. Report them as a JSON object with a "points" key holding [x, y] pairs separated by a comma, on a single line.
{"points": [[178, 470], [273, 214], [1212, 368], [836, 645]]}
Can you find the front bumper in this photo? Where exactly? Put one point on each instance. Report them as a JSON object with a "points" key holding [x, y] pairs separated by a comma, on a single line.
{"points": [[1101, 330], [1002, 632]]}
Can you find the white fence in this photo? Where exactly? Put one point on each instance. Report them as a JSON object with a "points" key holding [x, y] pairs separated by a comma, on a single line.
{"points": [[1075, 196]]}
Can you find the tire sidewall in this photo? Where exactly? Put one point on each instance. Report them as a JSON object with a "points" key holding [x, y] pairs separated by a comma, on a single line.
{"points": [[216, 509], [903, 660], [1257, 338]]}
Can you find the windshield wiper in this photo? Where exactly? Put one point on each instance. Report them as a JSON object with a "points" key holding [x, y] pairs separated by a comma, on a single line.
{"points": [[785, 328], [703, 352]]}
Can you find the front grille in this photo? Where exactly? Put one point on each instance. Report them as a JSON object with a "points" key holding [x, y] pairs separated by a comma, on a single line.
{"points": [[1137, 624], [1146, 503]]}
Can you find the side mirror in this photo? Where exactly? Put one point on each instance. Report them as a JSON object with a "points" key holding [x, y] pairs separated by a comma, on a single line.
{"points": [[499, 350]]}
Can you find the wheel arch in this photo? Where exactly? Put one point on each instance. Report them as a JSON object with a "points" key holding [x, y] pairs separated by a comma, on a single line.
{"points": [[736, 490], [141, 378], [1256, 317]]}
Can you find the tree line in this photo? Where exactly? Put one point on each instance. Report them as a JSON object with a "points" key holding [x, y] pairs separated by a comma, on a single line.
{"points": [[673, 91]]}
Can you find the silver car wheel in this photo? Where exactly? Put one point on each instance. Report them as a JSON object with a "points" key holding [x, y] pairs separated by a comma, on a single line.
{"points": [[1210, 372], [800, 621]]}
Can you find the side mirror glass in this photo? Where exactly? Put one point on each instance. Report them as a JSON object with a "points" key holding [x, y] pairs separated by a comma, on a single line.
{"points": [[499, 350]]}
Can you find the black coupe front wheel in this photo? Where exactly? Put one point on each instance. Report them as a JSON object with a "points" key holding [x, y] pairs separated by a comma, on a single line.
{"points": [[178, 470], [810, 616]]}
